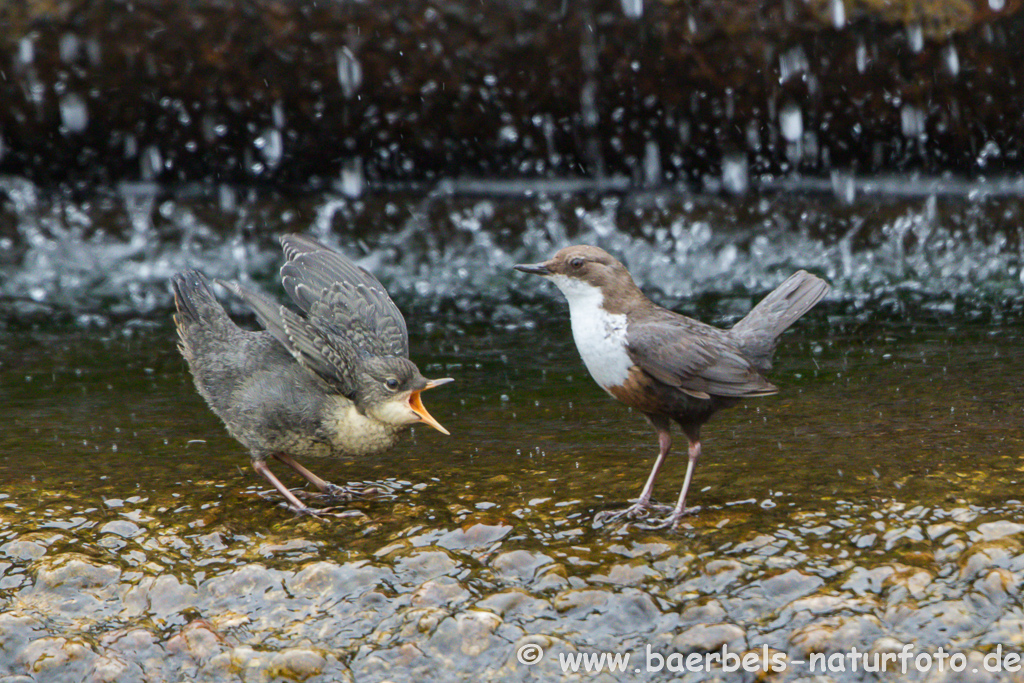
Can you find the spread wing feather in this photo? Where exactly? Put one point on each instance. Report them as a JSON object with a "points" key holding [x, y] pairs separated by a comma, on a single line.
{"points": [[330, 287], [313, 344]]}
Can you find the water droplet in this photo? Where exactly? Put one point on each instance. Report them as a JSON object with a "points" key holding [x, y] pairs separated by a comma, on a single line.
{"points": [[74, 115], [989, 151], [652, 164], [352, 181], [350, 72], [915, 37], [997, 5], [634, 9], [69, 48], [26, 50], [508, 135], [735, 173], [862, 56], [131, 146], [226, 198], [791, 63], [271, 146], [151, 163], [843, 186], [838, 13], [952, 59], [912, 121], [791, 122], [92, 49], [588, 102]]}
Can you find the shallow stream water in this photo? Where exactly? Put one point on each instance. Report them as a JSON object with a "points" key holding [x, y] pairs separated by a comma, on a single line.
{"points": [[874, 503]]}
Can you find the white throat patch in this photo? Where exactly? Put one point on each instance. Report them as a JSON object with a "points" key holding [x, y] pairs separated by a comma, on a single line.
{"points": [[600, 336]]}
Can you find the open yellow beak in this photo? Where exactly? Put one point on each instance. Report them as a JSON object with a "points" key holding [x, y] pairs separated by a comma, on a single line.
{"points": [[416, 403]]}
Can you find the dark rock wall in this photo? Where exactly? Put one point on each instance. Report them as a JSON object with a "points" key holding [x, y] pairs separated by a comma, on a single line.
{"points": [[292, 92]]}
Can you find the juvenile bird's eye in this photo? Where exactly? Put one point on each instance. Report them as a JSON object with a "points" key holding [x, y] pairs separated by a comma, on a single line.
{"points": [[391, 383], [576, 263]]}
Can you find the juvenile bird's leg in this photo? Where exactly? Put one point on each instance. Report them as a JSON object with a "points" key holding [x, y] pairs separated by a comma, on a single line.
{"points": [[325, 487], [643, 504], [297, 506]]}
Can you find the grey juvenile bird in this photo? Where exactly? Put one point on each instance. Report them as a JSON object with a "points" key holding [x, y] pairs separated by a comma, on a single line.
{"points": [[668, 366], [336, 381]]}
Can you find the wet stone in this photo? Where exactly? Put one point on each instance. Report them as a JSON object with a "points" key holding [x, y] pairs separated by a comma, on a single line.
{"points": [[991, 531], [836, 633], [473, 536], [949, 619], [72, 573], [329, 582], [198, 641], [999, 585], [913, 581], [626, 575], [707, 612], [107, 669], [986, 555], [864, 581], [519, 565], [788, 586], [445, 592], [715, 577], [296, 664], [161, 597], [515, 604], [423, 565], [122, 528], [23, 549], [709, 638]]}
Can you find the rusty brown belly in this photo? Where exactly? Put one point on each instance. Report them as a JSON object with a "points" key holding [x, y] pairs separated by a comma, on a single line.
{"points": [[642, 392]]}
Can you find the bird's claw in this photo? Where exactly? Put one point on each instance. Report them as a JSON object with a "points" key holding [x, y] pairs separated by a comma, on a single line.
{"points": [[325, 513], [672, 521], [637, 510], [350, 492], [641, 514]]}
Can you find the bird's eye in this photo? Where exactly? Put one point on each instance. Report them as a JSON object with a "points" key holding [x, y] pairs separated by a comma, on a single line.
{"points": [[391, 383], [576, 263]]}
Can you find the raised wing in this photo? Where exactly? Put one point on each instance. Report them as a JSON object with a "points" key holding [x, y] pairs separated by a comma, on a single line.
{"points": [[345, 297], [701, 365], [317, 348]]}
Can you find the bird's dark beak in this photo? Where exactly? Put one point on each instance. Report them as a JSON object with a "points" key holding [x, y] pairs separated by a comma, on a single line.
{"points": [[416, 404], [533, 268]]}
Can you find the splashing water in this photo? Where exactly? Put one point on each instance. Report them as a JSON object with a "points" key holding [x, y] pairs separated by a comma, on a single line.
{"points": [[451, 253]]}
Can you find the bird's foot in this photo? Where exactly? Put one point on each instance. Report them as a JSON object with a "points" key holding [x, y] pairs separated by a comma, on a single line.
{"points": [[327, 513], [637, 510], [671, 521], [350, 492], [339, 494]]}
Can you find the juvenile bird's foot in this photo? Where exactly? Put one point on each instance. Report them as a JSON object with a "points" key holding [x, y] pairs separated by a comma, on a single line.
{"points": [[350, 492], [332, 493]]}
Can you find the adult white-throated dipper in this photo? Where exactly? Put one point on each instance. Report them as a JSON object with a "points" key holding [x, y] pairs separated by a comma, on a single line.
{"points": [[668, 366], [336, 381]]}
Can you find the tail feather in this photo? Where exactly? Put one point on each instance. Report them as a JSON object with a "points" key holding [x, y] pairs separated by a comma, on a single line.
{"points": [[760, 329], [194, 300], [200, 317]]}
